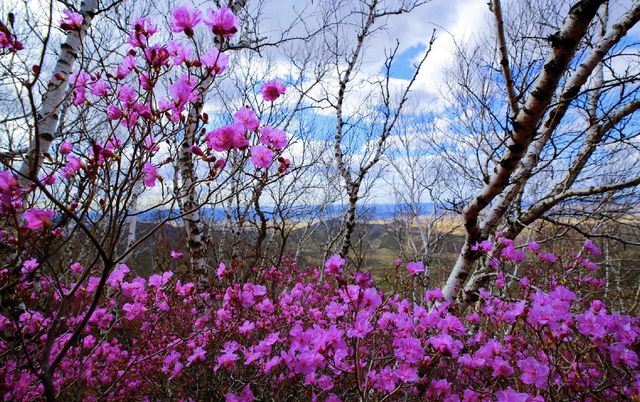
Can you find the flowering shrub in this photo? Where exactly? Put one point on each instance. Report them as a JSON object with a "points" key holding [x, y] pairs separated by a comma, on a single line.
{"points": [[288, 333], [92, 331]]}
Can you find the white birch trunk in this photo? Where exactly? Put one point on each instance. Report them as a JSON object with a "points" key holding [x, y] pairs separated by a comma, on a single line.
{"points": [[47, 118]]}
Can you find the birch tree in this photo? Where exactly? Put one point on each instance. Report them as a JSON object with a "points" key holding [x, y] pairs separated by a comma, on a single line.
{"points": [[534, 127]]}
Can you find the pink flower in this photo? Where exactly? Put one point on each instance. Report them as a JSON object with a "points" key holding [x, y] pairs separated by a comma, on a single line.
{"points": [[272, 90], [88, 342], [99, 88], [501, 367], [245, 396], [533, 372], [485, 246], [113, 113], [117, 275], [176, 255], [509, 395], [8, 181], [284, 164], [71, 21], [197, 355], [334, 265], [548, 257], [127, 95], [591, 248], [29, 266], [222, 22], [133, 311], [151, 174], [215, 60], [415, 267], [141, 30], [182, 92], [510, 253], [221, 271], [433, 294], [71, 167], [533, 246], [179, 52], [156, 55], [227, 138], [150, 143], [184, 19], [247, 118], [261, 156], [128, 65], [273, 137], [10, 42], [78, 80], [158, 281], [65, 148], [76, 267], [38, 218], [171, 363]]}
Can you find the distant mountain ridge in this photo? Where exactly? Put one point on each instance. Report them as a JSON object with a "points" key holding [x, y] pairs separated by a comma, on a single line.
{"points": [[368, 211]]}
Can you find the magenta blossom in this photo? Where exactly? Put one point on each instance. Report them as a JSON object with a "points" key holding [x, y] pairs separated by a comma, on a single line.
{"points": [[99, 88], [227, 138], [592, 248], [184, 19], [71, 21], [272, 90], [183, 92], [72, 166], [215, 60], [38, 218], [176, 255], [261, 156], [150, 143], [485, 246], [334, 265], [548, 257], [141, 30], [29, 266], [284, 164], [151, 174], [273, 137], [179, 52], [10, 42], [415, 267], [65, 148], [222, 22], [247, 118], [76, 267]]}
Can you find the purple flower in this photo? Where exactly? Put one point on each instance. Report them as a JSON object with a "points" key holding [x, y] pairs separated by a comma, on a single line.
{"points": [[184, 19], [591, 248], [222, 22], [272, 90], [215, 60], [247, 118], [334, 264], [548, 257], [273, 137], [533, 372], [38, 218], [485, 246], [415, 267], [151, 174], [261, 156], [71, 21], [227, 138]]}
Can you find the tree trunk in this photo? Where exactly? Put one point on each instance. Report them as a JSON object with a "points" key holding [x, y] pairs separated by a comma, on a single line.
{"points": [[54, 96]]}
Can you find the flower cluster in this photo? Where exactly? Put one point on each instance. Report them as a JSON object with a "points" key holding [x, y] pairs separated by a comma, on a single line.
{"points": [[291, 332]]}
